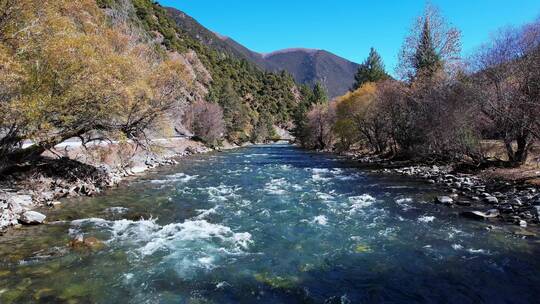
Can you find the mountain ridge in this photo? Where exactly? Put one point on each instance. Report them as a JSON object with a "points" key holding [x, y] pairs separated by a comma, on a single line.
{"points": [[307, 66]]}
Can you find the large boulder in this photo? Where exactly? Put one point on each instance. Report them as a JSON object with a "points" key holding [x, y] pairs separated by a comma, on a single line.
{"points": [[32, 218]]}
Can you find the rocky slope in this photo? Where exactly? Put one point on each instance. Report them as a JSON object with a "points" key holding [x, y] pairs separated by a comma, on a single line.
{"points": [[308, 66]]}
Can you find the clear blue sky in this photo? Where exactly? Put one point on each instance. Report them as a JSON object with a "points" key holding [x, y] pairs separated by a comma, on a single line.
{"points": [[349, 28]]}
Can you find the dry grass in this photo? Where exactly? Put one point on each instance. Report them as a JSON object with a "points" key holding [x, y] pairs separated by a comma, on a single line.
{"points": [[529, 172]]}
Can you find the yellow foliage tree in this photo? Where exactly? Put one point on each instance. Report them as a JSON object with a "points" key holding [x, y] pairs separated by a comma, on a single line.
{"points": [[353, 111], [66, 73]]}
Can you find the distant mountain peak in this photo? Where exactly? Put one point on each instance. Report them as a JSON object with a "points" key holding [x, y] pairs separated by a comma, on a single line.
{"points": [[307, 66]]}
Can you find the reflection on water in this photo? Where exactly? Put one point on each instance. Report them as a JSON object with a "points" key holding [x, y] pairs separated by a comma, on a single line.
{"points": [[267, 224]]}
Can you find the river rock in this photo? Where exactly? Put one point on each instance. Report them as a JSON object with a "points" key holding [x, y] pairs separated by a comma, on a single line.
{"points": [[479, 215], [444, 200], [491, 200], [463, 203], [24, 201], [535, 200], [516, 202], [537, 210], [524, 233], [506, 208], [54, 204], [80, 242], [32, 218]]}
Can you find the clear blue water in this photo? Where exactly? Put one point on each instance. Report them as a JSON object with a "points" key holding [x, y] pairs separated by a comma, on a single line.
{"points": [[268, 224]]}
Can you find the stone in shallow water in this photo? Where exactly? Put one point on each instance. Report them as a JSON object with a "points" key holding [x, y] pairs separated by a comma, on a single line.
{"points": [[360, 248], [54, 204], [281, 282], [479, 215], [444, 200], [32, 218], [81, 243], [43, 293], [524, 233]]}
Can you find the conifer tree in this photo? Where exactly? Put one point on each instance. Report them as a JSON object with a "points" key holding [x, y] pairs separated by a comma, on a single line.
{"points": [[319, 94], [426, 59], [433, 45], [371, 70], [299, 114]]}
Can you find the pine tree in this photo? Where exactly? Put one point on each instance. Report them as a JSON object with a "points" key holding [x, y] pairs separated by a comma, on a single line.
{"points": [[319, 94], [426, 59], [299, 114], [235, 112], [371, 70]]}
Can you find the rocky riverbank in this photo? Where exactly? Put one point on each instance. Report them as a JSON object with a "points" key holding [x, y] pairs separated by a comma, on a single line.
{"points": [[471, 195], [42, 186]]}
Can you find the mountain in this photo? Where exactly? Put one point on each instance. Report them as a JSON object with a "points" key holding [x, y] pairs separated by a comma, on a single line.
{"points": [[307, 66], [310, 66]]}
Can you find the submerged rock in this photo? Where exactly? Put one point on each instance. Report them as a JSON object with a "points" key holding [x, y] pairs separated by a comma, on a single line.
{"points": [[32, 218], [524, 233], [283, 282], [360, 248], [81, 243]]}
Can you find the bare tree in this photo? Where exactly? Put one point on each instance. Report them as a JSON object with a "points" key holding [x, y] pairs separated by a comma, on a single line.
{"points": [[206, 121], [508, 74], [321, 119]]}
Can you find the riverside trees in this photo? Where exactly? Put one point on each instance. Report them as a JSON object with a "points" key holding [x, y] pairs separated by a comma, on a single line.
{"points": [[66, 74], [97, 71], [371, 70], [439, 109]]}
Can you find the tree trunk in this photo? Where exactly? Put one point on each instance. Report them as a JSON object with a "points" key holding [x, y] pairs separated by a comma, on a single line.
{"points": [[33, 152], [20, 156], [519, 156]]}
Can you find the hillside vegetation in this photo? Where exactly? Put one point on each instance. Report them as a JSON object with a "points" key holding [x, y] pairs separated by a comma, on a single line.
{"points": [[122, 70]]}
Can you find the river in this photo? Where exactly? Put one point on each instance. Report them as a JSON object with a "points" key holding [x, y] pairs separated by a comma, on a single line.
{"points": [[267, 224]]}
